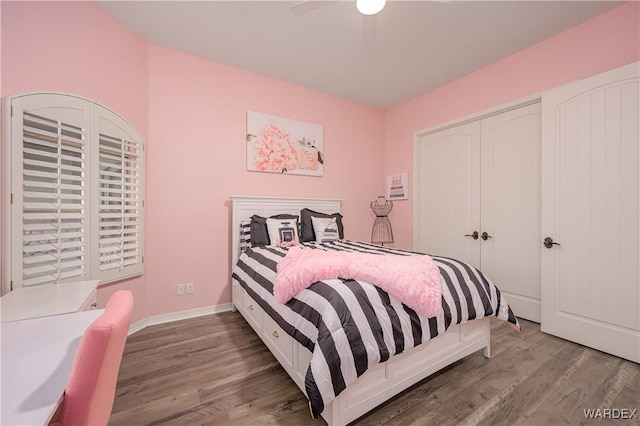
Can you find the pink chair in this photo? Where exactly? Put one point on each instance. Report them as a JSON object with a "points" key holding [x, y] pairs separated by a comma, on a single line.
{"points": [[90, 391]]}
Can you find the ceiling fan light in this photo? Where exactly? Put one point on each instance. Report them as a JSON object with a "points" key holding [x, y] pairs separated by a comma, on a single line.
{"points": [[370, 7]]}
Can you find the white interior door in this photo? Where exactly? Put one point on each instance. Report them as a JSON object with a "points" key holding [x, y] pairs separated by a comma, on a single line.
{"points": [[510, 206], [450, 192], [590, 207]]}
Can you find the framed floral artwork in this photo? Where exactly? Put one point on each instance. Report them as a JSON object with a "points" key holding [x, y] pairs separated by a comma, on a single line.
{"points": [[282, 145]]}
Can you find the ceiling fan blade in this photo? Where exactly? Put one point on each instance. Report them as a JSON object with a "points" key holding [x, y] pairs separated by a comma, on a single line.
{"points": [[307, 6]]}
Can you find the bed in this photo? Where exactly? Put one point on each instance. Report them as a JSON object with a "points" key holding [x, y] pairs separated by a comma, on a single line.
{"points": [[342, 392]]}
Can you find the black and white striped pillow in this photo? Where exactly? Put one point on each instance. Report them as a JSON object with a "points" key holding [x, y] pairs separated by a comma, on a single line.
{"points": [[245, 235]]}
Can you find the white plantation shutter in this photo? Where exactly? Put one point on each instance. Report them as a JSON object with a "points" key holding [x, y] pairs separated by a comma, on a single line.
{"points": [[119, 197], [77, 188], [49, 160]]}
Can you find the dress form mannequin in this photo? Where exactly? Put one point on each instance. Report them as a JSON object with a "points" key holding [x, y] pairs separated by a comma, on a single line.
{"points": [[381, 232]]}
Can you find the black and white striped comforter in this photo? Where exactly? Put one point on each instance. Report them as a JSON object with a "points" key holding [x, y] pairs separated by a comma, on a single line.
{"points": [[350, 325]]}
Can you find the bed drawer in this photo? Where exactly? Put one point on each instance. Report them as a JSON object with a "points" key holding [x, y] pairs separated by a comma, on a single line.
{"points": [[237, 293], [282, 343], [252, 310]]}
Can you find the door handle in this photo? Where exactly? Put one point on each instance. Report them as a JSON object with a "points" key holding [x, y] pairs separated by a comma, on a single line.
{"points": [[474, 235], [485, 236], [548, 242]]}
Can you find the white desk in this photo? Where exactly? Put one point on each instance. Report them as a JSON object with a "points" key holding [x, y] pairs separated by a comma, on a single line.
{"points": [[37, 357], [48, 299]]}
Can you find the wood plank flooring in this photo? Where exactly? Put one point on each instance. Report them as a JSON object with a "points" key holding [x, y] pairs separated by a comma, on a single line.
{"points": [[214, 370]]}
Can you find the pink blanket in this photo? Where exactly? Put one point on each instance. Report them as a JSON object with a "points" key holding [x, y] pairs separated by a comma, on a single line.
{"points": [[413, 280]]}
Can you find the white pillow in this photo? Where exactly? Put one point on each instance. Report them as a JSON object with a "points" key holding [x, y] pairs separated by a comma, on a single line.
{"points": [[325, 228], [283, 232]]}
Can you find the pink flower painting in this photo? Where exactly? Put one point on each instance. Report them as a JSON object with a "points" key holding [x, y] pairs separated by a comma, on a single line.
{"points": [[282, 145], [273, 151]]}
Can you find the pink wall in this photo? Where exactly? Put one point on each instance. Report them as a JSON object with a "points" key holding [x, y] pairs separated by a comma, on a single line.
{"points": [[193, 114], [74, 47], [77, 48], [197, 158], [605, 42]]}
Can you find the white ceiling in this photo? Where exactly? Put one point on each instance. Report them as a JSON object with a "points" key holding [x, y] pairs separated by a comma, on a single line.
{"points": [[409, 48]]}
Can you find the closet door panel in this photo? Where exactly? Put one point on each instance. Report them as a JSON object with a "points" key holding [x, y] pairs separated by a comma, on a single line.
{"points": [[510, 206], [450, 192], [590, 187]]}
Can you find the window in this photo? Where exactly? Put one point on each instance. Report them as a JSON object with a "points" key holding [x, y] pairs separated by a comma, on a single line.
{"points": [[75, 174]]}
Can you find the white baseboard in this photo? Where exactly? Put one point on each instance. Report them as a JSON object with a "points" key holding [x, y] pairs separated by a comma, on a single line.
{"points": [[177, 316]]}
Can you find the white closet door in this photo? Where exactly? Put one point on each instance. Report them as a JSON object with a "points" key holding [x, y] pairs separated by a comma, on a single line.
{"points": [[510, 206], [590, 207], [450, 193]]}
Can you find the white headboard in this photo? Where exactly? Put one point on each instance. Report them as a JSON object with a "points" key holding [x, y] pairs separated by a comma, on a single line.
{"points": [[243, 207]]}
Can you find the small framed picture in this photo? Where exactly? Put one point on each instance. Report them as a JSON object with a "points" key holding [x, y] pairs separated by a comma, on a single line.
{"points": [[398, 186]]}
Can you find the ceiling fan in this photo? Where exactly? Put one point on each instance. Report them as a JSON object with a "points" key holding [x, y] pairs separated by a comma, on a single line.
{"points": [[368, 8]]}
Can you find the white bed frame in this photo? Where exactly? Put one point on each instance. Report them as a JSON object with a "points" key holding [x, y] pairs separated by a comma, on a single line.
{"points": [[379, 383]]}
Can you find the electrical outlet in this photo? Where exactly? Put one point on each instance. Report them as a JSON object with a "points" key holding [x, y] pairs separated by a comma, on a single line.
{"points": [[190, 288], [180, 289]]}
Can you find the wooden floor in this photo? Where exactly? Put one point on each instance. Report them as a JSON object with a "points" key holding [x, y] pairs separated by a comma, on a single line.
{"points": [[215, 370]]}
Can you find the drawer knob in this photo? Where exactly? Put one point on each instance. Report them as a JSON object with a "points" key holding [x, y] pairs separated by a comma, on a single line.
{"points": [[275, 334], [251, 307], [94, 305]]}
